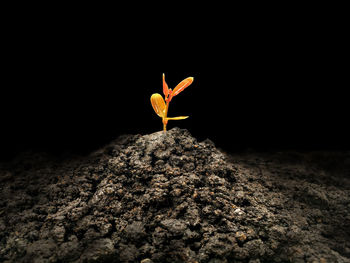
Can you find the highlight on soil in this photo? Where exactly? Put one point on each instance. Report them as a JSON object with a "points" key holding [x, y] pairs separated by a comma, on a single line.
{"points": [[161, 107]]}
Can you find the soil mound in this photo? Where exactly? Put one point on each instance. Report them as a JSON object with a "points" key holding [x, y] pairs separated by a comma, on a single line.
{"points": [[168, 198]]}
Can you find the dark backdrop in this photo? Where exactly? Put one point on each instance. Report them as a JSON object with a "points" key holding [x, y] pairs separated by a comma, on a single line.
{"points": [[263, 92]]}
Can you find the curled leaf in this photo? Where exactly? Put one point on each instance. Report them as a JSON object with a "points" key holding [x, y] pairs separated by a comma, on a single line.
{"points": [[182, 85], [178, 118], [165, 87], [158, 104]]}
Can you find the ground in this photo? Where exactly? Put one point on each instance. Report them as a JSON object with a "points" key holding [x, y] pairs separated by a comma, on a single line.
{"points": [[169, 198]]}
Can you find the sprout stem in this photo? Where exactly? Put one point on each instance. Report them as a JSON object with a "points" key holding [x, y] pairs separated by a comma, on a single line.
{"points": [[165, 120]]}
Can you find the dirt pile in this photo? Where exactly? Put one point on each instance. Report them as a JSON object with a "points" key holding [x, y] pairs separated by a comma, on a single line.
{"points": [[168, 198]]}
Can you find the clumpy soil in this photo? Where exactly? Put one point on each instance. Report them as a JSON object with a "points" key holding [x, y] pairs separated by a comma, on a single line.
{"points": [[169, 198]]}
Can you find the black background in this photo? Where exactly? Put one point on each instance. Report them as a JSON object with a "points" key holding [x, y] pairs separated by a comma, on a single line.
{"points": [[275, 89]]}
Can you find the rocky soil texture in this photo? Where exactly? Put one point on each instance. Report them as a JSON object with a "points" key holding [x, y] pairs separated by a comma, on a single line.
{"points": [[168, 198]]}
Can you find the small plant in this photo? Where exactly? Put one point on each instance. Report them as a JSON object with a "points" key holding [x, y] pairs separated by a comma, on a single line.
{"points": [[161, 107]]}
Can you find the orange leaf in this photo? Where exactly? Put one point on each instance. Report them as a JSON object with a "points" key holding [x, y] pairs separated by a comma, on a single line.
{"points": [[158, 104], [182, 85], [178, 118], [165, 87]]}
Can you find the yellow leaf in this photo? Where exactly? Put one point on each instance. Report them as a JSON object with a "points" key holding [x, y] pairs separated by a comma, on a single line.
{"points": [[158, 104], [182, 85], [178, 118]]}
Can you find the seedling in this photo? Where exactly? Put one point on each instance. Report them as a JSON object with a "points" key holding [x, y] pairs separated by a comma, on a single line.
{"points": [[161, 107]]}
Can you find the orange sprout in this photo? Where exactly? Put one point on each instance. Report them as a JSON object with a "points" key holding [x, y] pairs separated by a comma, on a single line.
{"points": [[161, 107]]}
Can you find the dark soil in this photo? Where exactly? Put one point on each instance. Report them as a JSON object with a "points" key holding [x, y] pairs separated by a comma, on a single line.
{"points": [[168, 198]]}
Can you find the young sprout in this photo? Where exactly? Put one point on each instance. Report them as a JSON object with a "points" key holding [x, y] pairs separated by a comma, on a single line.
{"points": [[161, 107]]}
